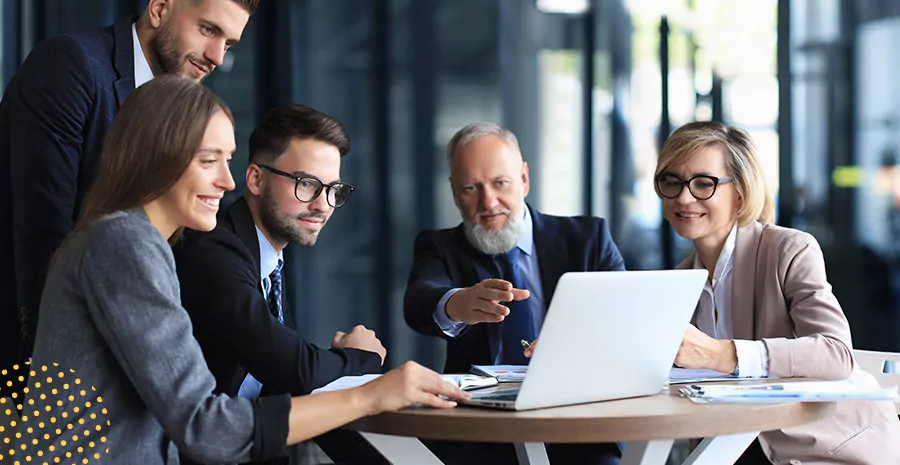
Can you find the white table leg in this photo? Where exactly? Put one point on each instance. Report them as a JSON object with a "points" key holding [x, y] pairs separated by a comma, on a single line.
{"points": [[721, 450], [532, 453], [401, 450], [654, 452]]}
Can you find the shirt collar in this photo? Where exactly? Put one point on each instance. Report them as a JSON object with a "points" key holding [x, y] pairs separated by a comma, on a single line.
{"points": [[268, 257], [723, 264], [526, 237], [142, 72]]}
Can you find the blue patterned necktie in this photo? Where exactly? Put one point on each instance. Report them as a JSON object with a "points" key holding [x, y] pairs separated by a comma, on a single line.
{"points": [[274, 297], [251, 387], [519, 324]]}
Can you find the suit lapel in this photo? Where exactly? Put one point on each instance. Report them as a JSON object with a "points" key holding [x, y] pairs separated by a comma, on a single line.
{"points": [[551, 253], [123, 60], [743, 281], [245, 229]]}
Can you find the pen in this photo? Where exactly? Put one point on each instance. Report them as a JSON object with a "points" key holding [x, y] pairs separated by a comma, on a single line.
{"points": [[525, 344]]}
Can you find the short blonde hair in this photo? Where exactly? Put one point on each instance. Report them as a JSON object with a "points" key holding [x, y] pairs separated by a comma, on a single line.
{"points": [[741, 161]]}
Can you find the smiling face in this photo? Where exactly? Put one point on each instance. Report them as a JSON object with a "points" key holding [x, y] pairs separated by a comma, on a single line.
{"points": [[192, 36], [283, 218], [194, 199], [707, 221]]}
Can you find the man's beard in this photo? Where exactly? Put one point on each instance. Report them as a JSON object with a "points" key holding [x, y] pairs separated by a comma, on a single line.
{"points": [[284, 228], [493, 242], [164, 48]]}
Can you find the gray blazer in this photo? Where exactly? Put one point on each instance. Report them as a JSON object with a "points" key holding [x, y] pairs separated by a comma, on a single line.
{"points": [[116, 367]]}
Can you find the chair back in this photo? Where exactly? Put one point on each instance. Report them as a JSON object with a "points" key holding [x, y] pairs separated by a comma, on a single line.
{"points": [[883, 366]]}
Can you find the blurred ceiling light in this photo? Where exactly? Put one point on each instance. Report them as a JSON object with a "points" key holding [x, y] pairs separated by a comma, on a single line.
{"points": [[563, 6]]}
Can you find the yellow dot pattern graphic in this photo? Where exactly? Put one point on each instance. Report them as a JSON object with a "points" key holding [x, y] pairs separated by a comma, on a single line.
{"points": [[31, 422]]}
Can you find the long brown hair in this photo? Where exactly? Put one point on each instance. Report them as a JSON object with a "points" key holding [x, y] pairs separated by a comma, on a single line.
{"points": [[741, 161], [152, 141]]}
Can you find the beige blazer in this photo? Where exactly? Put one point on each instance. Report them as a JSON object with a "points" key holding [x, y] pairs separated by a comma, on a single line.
{"points": [[780, 295]]}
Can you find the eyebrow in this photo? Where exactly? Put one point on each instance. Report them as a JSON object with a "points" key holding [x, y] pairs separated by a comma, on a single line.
{"points": [[702, 173], [219, 32], [304, 174], [215, 151]]}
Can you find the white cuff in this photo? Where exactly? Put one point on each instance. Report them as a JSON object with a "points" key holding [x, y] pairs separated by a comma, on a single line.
{"points": [[753, 358], [449, 327]]}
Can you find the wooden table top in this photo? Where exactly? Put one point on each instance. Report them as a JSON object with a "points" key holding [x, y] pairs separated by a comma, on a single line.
{"points": [[667, 415]]}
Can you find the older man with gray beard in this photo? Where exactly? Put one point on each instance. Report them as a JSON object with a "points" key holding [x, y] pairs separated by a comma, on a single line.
{"points": [[484, 285]]}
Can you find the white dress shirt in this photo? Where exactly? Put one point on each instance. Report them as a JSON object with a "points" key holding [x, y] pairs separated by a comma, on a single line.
{"points": [[268, 260], [142, 72], [714, 313]]}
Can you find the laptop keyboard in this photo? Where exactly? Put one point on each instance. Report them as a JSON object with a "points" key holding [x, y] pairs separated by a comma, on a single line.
{"points": [[502, 394]]}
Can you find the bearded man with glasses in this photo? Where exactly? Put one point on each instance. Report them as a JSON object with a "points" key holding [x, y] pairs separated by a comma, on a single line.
{"points": [[232, 278]]}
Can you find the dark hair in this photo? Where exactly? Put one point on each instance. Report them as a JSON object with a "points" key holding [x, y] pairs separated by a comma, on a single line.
{"points": [[152, 141], [249, 5], [285, 123]]}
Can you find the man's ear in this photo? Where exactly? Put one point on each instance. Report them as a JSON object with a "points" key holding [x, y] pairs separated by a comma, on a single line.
{"points": [[526, 181], [158, 10], [255, 181]]}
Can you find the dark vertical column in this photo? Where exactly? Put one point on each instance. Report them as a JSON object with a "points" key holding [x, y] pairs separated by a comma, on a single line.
{"points": [[587, 89], [424, 59], [273, 77], [517, 29], [622, 178], [11, 40], [665, 128], [785, 205], [381, 147], [715, 93]]}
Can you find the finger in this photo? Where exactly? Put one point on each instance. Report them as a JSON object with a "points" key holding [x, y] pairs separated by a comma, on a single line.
{"points": [[492, 308], [439, 386], [432, 400], [497, 284], [481, 317], [496, 295], [530, 350], [358, 328], [339, 335], [521, 294]]}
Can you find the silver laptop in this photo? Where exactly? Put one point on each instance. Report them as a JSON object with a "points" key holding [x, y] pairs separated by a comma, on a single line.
{"points": [[607, 335]]}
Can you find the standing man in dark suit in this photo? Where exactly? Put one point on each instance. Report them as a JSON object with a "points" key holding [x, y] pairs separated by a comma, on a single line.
{"points": [[231, 278], [504, 251], [54, 116]]}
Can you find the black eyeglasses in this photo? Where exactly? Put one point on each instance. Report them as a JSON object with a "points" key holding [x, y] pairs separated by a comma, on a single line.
{"points": [[308, 188], [702, 186]]}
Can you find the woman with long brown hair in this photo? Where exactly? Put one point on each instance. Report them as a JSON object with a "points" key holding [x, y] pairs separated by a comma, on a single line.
{"points": [[111, 316]]}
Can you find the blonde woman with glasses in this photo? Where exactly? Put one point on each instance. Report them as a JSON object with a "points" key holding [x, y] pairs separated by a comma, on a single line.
{"points": [[767, 309]]}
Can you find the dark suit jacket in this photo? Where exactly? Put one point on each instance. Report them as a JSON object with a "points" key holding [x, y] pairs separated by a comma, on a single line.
{"points": [[444, 259], [221, 290], [53, 118]]}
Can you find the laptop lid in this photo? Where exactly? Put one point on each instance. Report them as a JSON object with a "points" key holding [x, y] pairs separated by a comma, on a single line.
{"points": [[610, 335]]}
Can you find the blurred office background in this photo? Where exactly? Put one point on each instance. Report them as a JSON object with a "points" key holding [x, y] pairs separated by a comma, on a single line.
{"points": [[589, 87]]}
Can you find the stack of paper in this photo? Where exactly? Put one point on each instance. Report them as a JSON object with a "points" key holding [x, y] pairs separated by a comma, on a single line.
{"points": [[808, 391], [503, 373], [465, 382], [684, 375]]}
